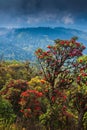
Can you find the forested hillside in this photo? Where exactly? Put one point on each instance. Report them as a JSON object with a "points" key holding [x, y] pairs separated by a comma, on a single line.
{"points": [[47, 94]]}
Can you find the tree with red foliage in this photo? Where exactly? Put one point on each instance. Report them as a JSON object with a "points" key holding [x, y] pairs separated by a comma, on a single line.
{"points": [[59, 66], [12, 92], [30, 103], [59, 62]]}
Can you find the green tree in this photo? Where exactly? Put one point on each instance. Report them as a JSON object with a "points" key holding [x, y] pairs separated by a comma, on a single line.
{"points": [[80, 95], [7, 115]]}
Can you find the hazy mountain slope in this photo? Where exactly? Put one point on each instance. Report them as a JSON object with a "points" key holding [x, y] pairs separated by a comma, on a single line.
{"points": [[20, 44]]}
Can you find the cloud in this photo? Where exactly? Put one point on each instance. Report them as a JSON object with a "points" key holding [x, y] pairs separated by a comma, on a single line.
{"points": [[68, 19], [35, 12], [49, 19], [42, 19], [35, 6], [33, 20]]}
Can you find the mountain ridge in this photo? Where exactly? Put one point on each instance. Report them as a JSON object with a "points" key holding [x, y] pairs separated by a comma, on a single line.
{"points": [[20, 43]]}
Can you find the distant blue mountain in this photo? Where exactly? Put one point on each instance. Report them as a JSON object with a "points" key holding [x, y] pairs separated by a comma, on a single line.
{"points": [[20, 44]]}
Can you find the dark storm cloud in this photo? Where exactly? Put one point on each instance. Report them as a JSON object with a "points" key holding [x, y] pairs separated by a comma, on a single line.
{"points": [[42, 12], [35, 6]]}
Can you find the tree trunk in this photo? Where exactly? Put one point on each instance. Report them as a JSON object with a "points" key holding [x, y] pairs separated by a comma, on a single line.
{"points": [[52, 126], [67, 123], [80, 120]]}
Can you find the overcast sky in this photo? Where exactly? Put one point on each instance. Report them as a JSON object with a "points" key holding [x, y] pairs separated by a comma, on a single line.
{"points": [[23, 13]]}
